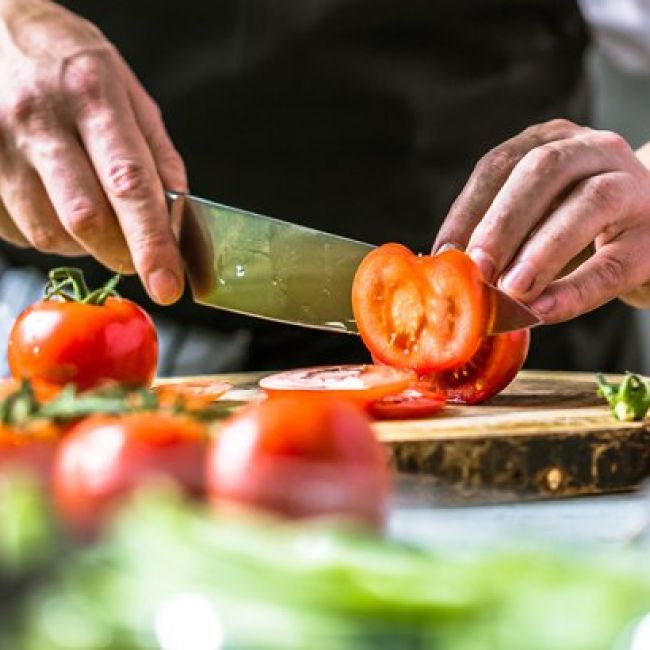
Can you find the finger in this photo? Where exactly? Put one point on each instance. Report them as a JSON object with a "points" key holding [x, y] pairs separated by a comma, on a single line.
{"points": [[32, 213], [584, 214], [9, 231], [78, 199], [166, 157], [489, 175], [168, 161], [536, 184], [127, 173], [611, 271]]}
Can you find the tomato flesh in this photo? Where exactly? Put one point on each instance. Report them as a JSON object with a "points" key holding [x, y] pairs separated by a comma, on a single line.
{"points": [[64, 342], [413, 402], [360, 384], [424, 312], [495, 364], [297, 457]]}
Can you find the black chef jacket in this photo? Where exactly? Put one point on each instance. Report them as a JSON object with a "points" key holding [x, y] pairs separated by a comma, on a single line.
{"points": [[361, 117]]}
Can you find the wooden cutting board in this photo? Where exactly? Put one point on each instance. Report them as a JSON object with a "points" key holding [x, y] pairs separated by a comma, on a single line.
{"points": [[547, 435]]}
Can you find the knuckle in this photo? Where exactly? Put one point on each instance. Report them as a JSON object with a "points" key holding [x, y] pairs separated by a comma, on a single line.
{"points": [[497, 163], [128, 179], [83, 219], [605, 195], [561, 124], [44, 239], [544, 159], [83, 76], [609, 274], [613, 141], [24, 107]]}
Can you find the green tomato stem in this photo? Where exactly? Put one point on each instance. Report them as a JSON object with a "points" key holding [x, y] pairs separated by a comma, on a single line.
{"points": [[68, 282]]}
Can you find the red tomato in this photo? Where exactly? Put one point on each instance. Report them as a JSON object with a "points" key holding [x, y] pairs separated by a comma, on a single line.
{"points": [[490, 370], [64, 341], [419, 311], [299, 457], [31, 447], [360, 384], [43, 390], [413, 402], [103, 457]]}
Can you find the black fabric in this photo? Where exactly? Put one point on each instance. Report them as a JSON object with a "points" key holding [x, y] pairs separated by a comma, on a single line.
{"points": [[361, 117]]}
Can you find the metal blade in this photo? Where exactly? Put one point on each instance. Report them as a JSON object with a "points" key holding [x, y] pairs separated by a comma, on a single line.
{"points": [[264, 267], [509, 314]]}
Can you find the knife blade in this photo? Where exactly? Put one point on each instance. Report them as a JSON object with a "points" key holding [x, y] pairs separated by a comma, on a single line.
{"points": [[251, 264]]}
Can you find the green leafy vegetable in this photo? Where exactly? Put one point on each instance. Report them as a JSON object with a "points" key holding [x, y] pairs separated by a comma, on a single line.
{"points": [[629, 400]]}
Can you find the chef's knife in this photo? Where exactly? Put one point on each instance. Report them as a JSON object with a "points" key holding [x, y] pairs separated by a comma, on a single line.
{"points": [[255, 265]]}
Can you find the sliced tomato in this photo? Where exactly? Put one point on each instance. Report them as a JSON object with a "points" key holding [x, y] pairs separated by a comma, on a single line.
{"points": [[495, 364], [193, 393], [360, 384], [421, 312], [413, 402]]}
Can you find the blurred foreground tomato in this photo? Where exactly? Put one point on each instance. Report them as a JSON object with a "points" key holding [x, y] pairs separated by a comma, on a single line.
{"points": [[301, 456], [31, 448], [104, 457], [84, 337]]}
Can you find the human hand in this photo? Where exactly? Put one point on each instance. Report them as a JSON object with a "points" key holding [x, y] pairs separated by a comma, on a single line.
{"points": [[536, 202], [84, 154]]}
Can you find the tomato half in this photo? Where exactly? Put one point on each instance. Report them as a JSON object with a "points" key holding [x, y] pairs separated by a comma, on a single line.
{"points": [[360, 384], [64, 342], [299, 456], [495, 364], [103, 457], [419, 311], [413, 402]]}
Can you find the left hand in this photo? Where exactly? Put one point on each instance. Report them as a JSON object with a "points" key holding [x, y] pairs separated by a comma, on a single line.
{"points": [[536, 202]]}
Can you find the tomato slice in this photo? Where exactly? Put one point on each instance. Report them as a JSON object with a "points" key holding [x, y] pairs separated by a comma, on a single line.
{"points": [[495, 364], [360, 384], [194, 393], [411, 403], [422, 312]]}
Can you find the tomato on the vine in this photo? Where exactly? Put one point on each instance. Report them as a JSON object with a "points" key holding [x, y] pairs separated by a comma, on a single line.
{"points": [[300, 456], [83, 337], [104, 457], [422, 312], [359, 384], [495, 364]]}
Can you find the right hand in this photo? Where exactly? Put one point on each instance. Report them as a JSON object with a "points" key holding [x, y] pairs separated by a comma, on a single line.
{"points": [[84, 154]]}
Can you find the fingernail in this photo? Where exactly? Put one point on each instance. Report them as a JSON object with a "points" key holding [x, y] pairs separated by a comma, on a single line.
{"points": [[447, 246], [164, 286], [519, 279], [543, 304], [483, 261]]}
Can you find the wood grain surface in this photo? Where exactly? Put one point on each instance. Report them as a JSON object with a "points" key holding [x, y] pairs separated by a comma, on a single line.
{"points": [[547, 435]]}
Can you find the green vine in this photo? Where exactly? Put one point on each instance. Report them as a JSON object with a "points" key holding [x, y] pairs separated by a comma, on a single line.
{"points": [[68, 283]]}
